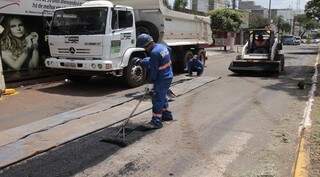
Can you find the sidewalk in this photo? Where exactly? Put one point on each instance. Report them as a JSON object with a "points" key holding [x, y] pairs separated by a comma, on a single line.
{"points": [[220, 50], [308, 152]]}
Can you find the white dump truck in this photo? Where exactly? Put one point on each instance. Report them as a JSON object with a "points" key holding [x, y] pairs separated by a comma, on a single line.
{"points": [[99, 37]]}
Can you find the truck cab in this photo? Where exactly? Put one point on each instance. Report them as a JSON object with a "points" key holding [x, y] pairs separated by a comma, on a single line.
{"points": [[97, 38]]}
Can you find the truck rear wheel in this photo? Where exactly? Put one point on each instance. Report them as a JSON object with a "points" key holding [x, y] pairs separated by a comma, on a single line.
{"points": [[135, 75], [147, 28], [184, 63], [202, 56]]}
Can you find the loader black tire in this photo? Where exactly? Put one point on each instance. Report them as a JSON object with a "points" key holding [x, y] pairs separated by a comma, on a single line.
{"points": [[147, 28], [238, 57], [135, 75], [282, 62]]}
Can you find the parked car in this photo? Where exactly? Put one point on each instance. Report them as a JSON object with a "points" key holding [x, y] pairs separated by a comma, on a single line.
{"points": [[297, 40], [315, 41], [288, 40]]}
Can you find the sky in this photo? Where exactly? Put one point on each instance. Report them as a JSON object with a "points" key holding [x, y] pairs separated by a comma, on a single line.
{"points": [[279, 4]]}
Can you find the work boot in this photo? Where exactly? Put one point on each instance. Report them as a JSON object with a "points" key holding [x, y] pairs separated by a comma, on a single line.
{"points": [[167, 116], [155, 123]]}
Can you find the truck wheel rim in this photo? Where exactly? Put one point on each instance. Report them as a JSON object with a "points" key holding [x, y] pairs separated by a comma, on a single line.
{"points": [[137, 73]]}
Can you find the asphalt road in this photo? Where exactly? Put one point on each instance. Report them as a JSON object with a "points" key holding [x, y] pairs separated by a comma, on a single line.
{"points": [[238, 126]]}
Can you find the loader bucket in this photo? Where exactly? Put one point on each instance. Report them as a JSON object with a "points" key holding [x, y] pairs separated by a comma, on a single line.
{"points": [[256, 67]]}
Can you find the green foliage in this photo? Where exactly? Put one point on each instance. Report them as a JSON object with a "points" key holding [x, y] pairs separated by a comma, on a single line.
{"points": [[306, 22], [256, 21], [312, 9], [282, 25], [180, 4], [285, 27], [225, 20]]}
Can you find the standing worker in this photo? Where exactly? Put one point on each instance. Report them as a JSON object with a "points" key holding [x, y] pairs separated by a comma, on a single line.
{"points": [[160, 75]]}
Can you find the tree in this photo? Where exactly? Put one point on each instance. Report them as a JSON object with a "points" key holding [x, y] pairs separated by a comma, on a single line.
{"points": [[312, 9], [257, 21], [282, 25], [306, 23], [225, 20], [180, 4]]}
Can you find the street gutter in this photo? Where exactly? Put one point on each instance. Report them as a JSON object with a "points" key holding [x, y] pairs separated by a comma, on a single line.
{"points": [[300, 168]]}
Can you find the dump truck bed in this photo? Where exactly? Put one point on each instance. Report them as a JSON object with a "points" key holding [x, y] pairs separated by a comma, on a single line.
{"points": [[175, 28]]}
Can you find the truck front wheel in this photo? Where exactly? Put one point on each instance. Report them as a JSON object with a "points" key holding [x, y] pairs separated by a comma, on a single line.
{"points": [[135, 75]]}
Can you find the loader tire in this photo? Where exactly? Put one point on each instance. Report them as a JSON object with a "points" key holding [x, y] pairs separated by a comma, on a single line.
{"points": [[282, 62]]}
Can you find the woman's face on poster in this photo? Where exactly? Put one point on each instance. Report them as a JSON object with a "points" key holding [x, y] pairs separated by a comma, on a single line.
{"points": [[17, 28]]}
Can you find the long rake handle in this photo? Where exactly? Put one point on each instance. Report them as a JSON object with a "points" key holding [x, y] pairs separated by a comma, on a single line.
{"points": [[125, 123]]}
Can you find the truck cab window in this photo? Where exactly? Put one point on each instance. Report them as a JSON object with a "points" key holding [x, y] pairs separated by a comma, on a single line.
{"points": [[121, 19], [114, 21]]}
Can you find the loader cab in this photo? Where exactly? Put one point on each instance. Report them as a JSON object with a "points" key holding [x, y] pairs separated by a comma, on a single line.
{"points": [[260, 41]]}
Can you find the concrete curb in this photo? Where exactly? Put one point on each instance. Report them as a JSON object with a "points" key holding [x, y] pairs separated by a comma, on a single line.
{"points": [[302, 161]]}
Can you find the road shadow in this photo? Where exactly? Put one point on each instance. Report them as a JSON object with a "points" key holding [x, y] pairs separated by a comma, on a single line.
{"points": [[92, 88], [76, 156]]}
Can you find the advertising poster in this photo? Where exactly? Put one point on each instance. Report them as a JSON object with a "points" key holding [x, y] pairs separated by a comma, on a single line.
{"points": [[23, 44], [35, 7]]}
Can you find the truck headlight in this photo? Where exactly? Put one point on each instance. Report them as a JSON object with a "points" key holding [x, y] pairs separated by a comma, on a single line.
{"points": [[100, 66], [93, 65]]}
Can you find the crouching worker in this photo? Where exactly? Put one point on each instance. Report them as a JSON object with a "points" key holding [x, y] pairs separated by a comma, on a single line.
{"points": [[195, 65], [160, 75]]}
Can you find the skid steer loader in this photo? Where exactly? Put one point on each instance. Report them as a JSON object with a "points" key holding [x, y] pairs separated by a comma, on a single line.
{"points": [[263, 59]]}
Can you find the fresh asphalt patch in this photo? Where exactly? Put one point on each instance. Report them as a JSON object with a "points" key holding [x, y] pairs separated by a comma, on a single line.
{"points": [[28, 147]]}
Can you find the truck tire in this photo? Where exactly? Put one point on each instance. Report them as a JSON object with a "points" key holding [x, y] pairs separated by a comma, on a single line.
{"points": [[78, 78], [183, 65], [202, 56], [147, 28], [135, 75]]}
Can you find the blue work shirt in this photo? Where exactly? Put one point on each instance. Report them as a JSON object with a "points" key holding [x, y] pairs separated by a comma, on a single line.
{"points": [[195, 65], [160, 56]]}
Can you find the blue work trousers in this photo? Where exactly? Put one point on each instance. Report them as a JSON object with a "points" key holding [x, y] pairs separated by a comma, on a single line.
{"points": [[159, 99]]}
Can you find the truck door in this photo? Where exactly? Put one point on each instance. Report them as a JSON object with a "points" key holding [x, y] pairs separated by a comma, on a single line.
{"points": [[123, 32]]}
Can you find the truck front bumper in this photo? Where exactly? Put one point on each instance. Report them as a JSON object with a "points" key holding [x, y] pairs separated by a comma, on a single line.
{"points": [[84, 65]]}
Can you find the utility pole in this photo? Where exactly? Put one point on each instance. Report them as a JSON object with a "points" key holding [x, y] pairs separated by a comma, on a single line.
{"points": [[270, 11], [234, 4]]}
